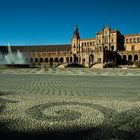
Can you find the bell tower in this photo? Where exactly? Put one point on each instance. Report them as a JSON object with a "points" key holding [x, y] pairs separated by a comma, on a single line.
{"points": [[75, 46]]}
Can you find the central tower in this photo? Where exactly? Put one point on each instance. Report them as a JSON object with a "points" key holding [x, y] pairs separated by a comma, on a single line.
{"points": [[75, 46]]}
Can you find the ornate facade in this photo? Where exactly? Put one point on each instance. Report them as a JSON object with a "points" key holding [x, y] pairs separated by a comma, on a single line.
{"points": [[131, 50], [108, 47]]}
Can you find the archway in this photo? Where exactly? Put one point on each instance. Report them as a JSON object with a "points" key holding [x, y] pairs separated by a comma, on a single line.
{"points": [[70, 59], [112, 48], [91, 59], [61, 60], [67, 59], [106, 47], [41, 60], [135, 57], [129, 57], [124, 58], [84, 61], [46, 60], [56, 59], [51, 62], [75, 59], [36, 60]]}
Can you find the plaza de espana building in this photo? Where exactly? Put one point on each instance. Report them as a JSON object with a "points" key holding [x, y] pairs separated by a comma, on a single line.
{"points": [[109, 46]]}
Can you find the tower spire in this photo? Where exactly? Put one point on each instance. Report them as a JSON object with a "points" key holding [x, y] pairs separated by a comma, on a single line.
{"points": [[76, 27], [76, 32]]}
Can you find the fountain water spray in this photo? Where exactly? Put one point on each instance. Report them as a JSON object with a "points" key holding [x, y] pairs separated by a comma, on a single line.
{"points": [[12, 57]]}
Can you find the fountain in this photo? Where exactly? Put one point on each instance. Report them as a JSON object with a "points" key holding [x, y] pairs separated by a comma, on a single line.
{"points": [[13, 59]]}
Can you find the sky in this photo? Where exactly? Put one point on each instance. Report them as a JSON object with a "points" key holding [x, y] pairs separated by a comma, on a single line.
{"points": [[42, 22]]}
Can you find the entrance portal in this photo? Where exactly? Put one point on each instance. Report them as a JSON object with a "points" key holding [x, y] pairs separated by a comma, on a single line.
{"points": [[91, 60], [75, 59]]}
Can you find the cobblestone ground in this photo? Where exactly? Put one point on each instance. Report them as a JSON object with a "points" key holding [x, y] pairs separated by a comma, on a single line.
{"points": [[81, 103], [74, 71]]}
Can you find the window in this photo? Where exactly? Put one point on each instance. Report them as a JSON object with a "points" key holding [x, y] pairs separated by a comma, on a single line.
{"points": [[105, 32], [106, 48], [87, 43], [90, 50], [90, 43], [93, 43], [134, 40], [138, 39], [106, 40], [99, 60], [130, 40], [132, 47], [112, 40], [126, 41]]}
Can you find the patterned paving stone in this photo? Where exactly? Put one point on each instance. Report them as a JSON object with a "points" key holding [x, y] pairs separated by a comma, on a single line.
{"points": [[103, 106]]}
